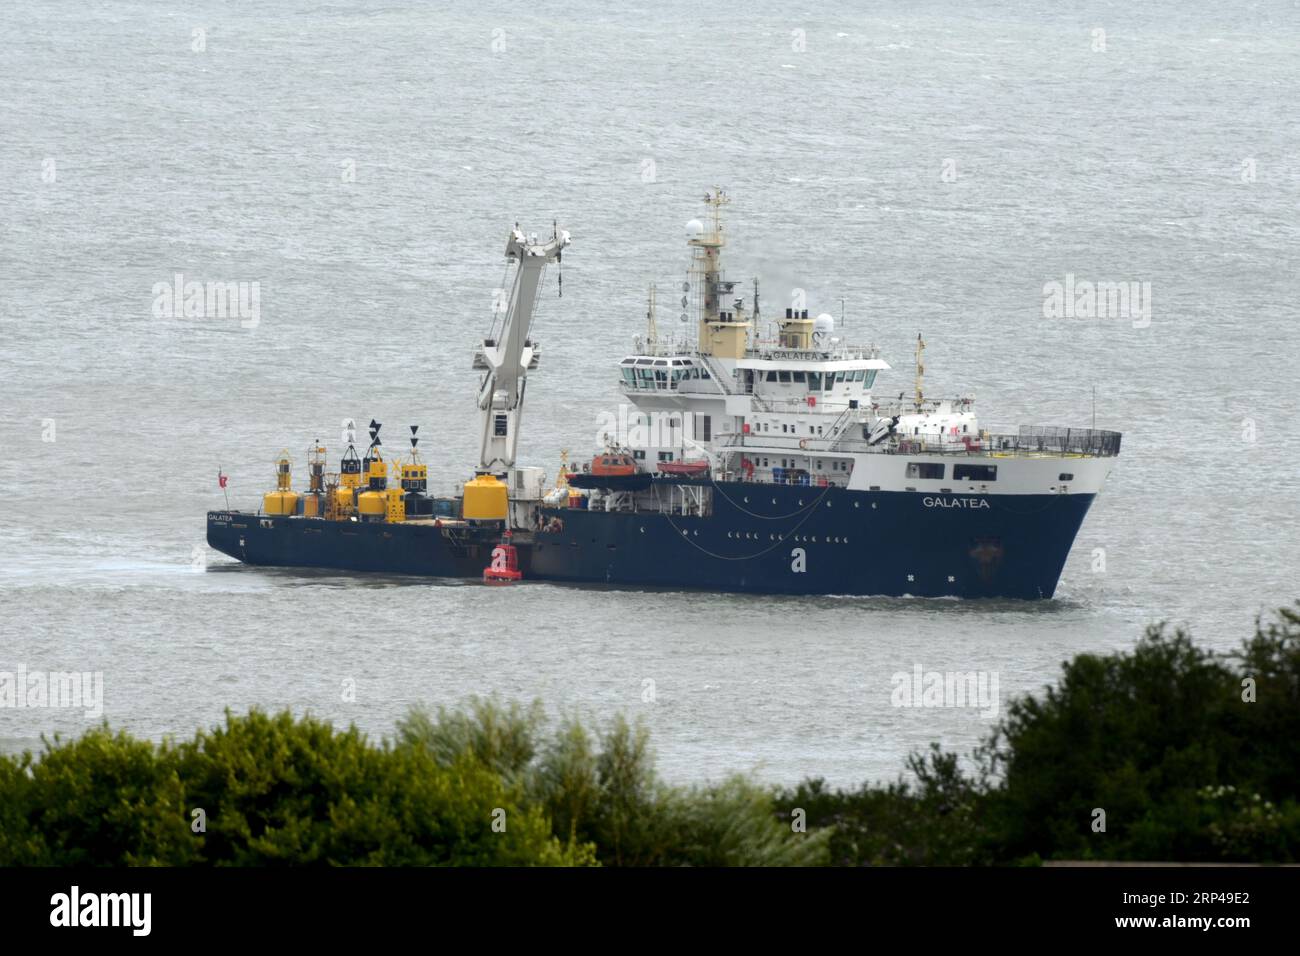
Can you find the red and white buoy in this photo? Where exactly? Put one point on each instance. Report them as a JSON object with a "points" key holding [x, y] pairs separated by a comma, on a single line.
{"points": [[505, 563]]}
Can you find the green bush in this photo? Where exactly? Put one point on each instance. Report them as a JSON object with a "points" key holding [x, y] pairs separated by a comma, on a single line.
{"points": [[272, 791], [1193, 756], [602, 791], [1161, 738]]}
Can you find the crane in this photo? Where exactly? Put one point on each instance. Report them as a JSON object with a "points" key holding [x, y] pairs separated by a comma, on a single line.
{"points": [[508, 353]]}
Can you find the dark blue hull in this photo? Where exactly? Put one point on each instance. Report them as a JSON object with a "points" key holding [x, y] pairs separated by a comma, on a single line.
{"points": [[799, 540], [351, 546], [771, 539]]}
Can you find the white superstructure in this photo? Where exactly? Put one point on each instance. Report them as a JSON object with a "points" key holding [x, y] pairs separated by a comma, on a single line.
{"points": [[789, 401]]}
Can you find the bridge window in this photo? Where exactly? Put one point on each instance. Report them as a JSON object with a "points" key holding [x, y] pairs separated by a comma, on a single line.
{"points": [[784, 378], [871, 378], [771, 376], [924, 469], [975, 472], [814, 381], [799, 377]]}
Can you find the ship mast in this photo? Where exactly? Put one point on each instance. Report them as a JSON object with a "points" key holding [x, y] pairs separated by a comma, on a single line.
{"points": [[506, 357], [920, 372], [722, 332], [652, 330]]}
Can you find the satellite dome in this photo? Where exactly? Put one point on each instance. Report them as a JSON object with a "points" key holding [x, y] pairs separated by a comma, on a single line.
{"points": [[694, 229]]}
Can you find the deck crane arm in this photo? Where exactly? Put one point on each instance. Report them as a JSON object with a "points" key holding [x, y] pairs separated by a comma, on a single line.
{"points": [[508, 353]]}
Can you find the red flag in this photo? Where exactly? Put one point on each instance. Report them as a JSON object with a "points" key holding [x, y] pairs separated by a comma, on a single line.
{"points": [[221, 479]]}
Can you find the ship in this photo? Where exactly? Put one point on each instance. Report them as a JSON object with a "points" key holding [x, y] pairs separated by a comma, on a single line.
{"points": [[748, 455]]}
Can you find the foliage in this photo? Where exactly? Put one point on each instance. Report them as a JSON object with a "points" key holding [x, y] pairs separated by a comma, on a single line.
{"points": [[1165, 739], [601, 790], [1191, 754], [268, 790]]}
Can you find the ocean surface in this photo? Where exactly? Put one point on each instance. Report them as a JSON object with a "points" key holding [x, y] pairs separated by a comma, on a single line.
{"points": [[916, 167]]}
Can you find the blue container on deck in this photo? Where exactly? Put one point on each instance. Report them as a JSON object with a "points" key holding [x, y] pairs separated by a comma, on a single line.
{"points": [[778, 475]]}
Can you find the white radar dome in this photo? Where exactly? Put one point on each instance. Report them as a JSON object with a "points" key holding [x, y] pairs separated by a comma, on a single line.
{"points": [[694, 229]]}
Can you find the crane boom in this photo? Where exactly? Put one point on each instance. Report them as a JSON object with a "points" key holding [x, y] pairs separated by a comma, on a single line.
{"points": [[507, 354]]}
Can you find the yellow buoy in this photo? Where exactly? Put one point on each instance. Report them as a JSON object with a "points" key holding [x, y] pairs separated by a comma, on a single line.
{"points": [[343, 503], [486, 499], [396, 504], [372, 504], [282, 501]]}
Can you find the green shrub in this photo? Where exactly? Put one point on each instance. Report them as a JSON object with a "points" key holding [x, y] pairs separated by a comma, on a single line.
{"points": [[1193, 755]]}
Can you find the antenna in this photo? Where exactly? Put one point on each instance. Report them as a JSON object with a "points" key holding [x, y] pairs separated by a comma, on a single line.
{"points": [[1094, 408], [920, 371], [652, 332]]}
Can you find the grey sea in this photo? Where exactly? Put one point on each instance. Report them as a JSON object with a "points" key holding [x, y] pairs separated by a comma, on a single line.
{"points": [[914, 167]]}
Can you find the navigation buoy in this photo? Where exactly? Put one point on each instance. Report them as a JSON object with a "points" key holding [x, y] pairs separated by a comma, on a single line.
{"points": [[505, 564]]}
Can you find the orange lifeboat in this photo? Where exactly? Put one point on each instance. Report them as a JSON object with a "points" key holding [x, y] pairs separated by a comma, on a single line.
{"points": [[691, 468], [613, 464]]}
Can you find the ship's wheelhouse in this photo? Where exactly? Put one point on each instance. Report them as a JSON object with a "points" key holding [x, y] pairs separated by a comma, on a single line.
{"points": [[660, 373], [809, 381]]}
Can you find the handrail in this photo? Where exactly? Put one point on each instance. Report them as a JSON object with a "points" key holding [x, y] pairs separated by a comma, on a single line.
{"points": [[1029, 441]]}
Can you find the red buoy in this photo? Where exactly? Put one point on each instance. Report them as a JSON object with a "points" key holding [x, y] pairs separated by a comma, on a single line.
{"points": [[505, 564]]}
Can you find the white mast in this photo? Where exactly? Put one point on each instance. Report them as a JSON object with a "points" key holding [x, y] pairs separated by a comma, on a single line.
{"points": [[506, 358]]}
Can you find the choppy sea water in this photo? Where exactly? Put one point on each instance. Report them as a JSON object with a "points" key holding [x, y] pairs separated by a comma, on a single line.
{"points": [[932, 166]]}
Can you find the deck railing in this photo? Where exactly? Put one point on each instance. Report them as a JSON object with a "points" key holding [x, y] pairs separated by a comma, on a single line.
{"points": [[1028, 441]]}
